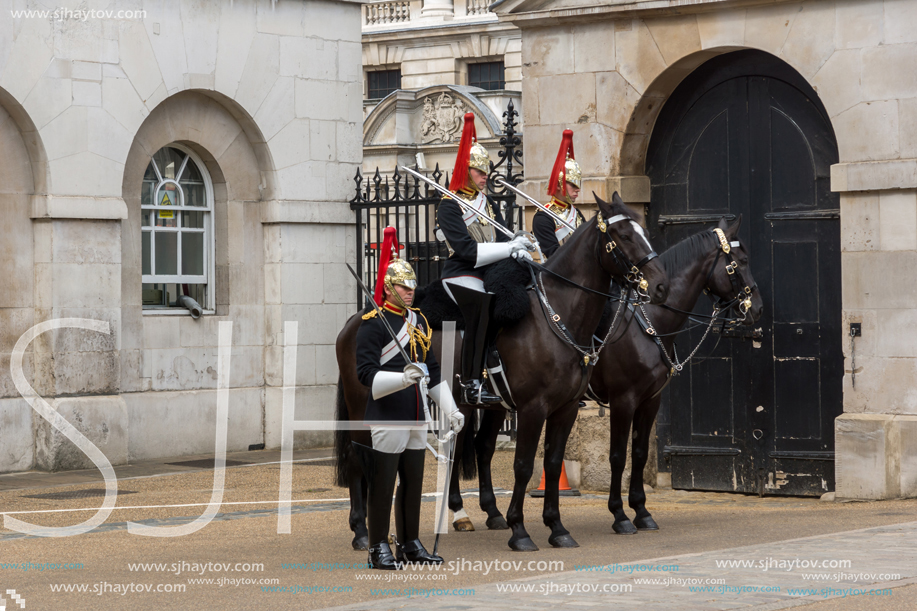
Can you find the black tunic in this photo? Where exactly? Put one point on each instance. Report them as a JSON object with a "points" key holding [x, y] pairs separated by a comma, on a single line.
{"points": [[372, 340], [543, 226], [465, 249]]}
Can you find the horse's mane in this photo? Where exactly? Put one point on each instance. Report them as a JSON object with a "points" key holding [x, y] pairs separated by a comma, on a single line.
{"points": [[686, 252]]}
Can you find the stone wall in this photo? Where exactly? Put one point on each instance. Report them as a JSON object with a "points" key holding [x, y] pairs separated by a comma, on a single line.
{"points": [[605, 72], [429, 55], [268, 95]]}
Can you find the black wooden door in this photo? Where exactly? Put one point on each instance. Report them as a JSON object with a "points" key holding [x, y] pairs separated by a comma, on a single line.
{"points": [[745, 134]]}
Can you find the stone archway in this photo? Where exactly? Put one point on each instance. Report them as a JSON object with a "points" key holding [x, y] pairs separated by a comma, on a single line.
{"points": [[23, 179], [174, 356], [745, 134]]}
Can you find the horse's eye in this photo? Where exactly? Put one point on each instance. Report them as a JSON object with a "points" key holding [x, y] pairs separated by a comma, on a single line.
{"points": [[626, 238]]}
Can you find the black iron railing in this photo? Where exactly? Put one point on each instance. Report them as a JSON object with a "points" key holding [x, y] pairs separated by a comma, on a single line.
{"points": [[409, 205]]}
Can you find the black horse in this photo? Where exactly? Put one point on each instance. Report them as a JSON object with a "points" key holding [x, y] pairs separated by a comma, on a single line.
{"points": [[631, 375], [546, 369], [633, 370]]}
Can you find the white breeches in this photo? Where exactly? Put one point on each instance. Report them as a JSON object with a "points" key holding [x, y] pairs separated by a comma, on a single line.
{"points": [[471, 282], [393, 440]]}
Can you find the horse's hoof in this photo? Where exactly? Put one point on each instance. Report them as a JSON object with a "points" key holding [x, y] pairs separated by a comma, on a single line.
{"points": [[624, 527], [497, 523], [563, 541], [463, 525], [361, 544], [647, 523], [523, 545]]}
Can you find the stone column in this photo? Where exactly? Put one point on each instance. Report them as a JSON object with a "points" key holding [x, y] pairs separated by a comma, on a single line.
{"points": [[77, 253], [441, 9], [875, 449]]}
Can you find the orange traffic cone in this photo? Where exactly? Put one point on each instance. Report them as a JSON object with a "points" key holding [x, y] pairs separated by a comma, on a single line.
{"points": [[563, 485]]}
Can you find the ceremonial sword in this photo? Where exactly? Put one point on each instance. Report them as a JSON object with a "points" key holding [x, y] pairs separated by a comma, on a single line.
{"points": [[464, 203], [540, 206], [468, 206]]}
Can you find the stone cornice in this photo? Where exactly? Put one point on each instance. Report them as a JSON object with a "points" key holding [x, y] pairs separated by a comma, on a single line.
{"points": [[300, 211], [874, 175], [438, 32], [78, 208], [591, 10]]}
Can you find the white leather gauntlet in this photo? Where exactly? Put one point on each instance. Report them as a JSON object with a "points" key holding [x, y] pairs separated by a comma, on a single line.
{"points": [[491, 252], [388, 382], [443, 398]]}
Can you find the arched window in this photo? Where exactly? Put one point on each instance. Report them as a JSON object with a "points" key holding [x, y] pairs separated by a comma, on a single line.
{"points": [[176, 206]]}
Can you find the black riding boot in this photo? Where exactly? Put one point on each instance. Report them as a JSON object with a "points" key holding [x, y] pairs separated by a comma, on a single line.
{"points": [[407, 510], [380, 470], [476, 309]]}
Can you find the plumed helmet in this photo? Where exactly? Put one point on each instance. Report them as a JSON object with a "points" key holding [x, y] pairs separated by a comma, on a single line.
{"points": [[471, 154], [572, 173], [479, 159], [401, 273], [566, 169]]}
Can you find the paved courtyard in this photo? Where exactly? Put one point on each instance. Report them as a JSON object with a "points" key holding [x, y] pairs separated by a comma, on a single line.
{"points": [[714, 551]]}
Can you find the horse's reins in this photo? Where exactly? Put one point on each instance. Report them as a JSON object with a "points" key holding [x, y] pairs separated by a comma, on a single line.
{"points": [[633, 276], [742, 299]]}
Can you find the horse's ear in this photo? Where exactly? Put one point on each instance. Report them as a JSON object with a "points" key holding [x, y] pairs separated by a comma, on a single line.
{"points": [[604, 207], [733, 229], [616, 199], [722, 224]]}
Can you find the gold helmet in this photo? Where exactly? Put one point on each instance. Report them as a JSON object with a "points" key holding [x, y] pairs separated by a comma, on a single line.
{"points": [[479, 159], [400, 272], [572, 173]]}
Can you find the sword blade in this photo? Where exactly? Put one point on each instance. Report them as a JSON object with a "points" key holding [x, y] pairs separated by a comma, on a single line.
{"points": [[540, 206], [388, 327], [459, 200]]}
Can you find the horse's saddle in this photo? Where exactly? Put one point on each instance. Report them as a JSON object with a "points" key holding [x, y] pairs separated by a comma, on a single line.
{"points": [[507, 279]]}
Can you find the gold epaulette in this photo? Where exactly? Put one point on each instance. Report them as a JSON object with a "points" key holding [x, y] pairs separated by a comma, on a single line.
{"points": [[370, 314]]}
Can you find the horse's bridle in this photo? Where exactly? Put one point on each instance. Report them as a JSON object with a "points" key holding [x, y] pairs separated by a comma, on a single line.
{"points": [[740, 288], [633, 274]]}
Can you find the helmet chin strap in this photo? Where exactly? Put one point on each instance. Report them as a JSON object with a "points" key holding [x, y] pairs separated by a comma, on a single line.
{"points": [[471, 184], [398, 297]]}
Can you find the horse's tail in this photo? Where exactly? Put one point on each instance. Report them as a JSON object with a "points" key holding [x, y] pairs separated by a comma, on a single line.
{"points": [[343, 449], [469, 462]]}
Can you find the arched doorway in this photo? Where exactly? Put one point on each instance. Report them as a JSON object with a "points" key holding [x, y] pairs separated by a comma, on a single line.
{"points": [[746, 134]]}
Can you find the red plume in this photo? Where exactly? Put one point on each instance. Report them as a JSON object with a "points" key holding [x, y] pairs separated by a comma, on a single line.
{"points": [[460, 171], [389, 243], [566, 149]]}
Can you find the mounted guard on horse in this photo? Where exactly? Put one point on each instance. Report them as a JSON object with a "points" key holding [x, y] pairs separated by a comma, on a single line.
{"points": [[474, 245], [549, 348]]}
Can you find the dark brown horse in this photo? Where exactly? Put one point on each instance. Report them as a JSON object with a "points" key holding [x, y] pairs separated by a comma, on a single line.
{"points": [[545, 371], [631, 375], [632, 370]]}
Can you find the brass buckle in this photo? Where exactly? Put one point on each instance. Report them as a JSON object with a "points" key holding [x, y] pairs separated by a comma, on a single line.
{"points": [[730, 269], [556, 318], [610, 246]]}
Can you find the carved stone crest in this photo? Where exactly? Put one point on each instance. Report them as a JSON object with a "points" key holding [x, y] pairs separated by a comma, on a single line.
{"points": [[442, 118]]}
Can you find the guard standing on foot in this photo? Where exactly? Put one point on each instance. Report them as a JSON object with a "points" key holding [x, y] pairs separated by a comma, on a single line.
{"points": [[563, 187], [473, 245], [396, 403]]}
